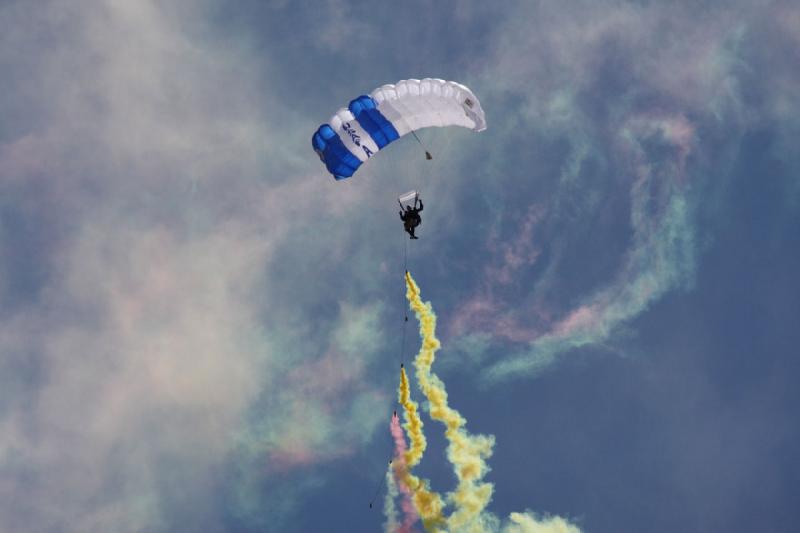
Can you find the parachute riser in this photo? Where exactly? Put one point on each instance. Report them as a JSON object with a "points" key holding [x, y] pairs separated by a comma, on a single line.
{"points": [[428, 155]]}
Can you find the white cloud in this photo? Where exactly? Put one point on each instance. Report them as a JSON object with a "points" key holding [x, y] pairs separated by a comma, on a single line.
{"points": [[163, 180]]}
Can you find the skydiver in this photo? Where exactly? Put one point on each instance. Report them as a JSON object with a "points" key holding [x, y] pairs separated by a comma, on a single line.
{"points": [[411, 218]]}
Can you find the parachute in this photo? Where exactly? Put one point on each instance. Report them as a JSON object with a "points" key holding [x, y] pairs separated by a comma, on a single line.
{"points": [[356, 133]]}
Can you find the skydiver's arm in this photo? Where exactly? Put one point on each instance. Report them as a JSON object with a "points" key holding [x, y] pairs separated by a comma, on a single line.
{"points": [[401, 216], [420, 205]]}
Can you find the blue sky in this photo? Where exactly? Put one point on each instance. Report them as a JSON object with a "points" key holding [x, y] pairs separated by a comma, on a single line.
{"points": [[201, 329]]}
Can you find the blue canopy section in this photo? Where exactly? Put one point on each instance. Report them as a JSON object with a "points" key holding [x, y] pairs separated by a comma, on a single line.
{"points": [[332, 151], [365, 110]]}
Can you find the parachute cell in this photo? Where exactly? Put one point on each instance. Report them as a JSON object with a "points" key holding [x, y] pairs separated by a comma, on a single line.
{"points": [[356, 133]]}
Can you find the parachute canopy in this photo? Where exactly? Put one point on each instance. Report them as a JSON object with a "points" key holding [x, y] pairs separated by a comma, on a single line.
{"points": [[369, 123]]}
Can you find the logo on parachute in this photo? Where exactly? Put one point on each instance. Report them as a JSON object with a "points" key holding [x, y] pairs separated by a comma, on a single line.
{"points": [[356, 138]]}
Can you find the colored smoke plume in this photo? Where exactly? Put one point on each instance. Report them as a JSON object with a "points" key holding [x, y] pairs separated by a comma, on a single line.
{"points": [[389, 510], [428, 504], [400, 469], [467, 453]]}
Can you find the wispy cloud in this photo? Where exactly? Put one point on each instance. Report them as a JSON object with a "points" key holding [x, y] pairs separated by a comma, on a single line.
{"points": [[152, 191], [642, 103], [660, 258]]}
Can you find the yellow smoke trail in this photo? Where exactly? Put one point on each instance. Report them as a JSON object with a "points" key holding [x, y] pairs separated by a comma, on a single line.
{"points": [[412, 424], [467, 453], [429, 504]]}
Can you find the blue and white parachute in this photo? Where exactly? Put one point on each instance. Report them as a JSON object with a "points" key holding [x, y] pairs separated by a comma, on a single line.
{"points": [[369, 123]]}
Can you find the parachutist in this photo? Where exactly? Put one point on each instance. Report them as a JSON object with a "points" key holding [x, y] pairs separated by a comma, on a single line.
{"points": [[401, 365], [411, 218]]}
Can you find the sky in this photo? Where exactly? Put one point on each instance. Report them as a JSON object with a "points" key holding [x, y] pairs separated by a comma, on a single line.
{"points": [[200, 330]]}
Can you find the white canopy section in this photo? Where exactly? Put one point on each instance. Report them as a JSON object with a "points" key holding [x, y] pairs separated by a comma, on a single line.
{"points": [[414, 104]]}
